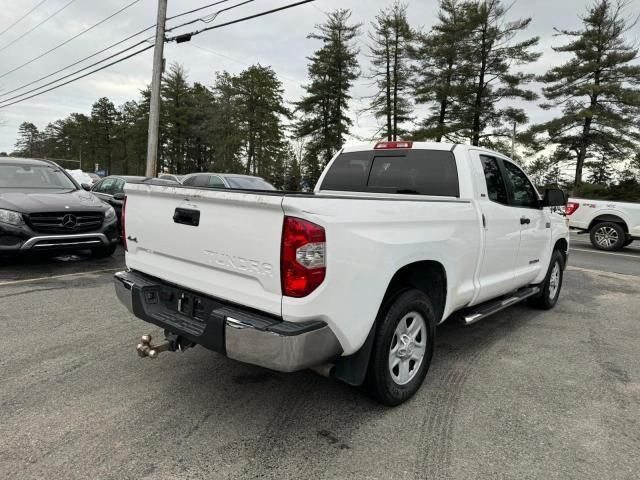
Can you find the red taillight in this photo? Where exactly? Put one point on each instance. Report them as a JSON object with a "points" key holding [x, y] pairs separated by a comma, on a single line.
{"points": [[571, 207], [392, 145], [302, 257], [124, 231]]}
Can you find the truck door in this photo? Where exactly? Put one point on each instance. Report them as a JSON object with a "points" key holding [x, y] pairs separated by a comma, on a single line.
{"points": [[535, 226], [501, 226]]}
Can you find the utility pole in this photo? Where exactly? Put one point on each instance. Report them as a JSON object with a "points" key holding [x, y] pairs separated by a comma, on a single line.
{"points": [[154, 111], [513, 141]]}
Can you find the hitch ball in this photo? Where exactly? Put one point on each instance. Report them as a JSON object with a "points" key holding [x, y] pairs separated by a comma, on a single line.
{"points": [[145, 349]]}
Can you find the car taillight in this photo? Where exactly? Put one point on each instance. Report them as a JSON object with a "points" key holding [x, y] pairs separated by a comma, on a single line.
{"points": [[124, 231], [392, 145], [302, 257], [571, 207]]}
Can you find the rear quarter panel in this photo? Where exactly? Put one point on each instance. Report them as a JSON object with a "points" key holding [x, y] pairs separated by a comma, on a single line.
{"points": [[368, 241]]}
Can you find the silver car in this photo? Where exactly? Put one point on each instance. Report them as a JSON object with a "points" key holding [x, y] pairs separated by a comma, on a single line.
{"points": [[226, 180]]}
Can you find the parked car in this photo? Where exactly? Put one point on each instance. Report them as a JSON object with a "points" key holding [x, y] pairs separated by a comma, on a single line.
{"points": [[168, 176], [111, 189], [42, 208], [611, 225], [353, 279], [226, 180], [95, 178]]}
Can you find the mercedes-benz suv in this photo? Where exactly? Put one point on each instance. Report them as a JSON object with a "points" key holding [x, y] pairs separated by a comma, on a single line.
{"points": [[42, 208]]}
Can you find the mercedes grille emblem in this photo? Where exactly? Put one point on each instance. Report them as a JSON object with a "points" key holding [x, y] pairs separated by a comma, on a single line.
{"points": [[69, 221]]}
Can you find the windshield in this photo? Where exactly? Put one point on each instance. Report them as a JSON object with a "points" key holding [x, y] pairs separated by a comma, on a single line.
{"points": [[249, 183], [34, 177]]}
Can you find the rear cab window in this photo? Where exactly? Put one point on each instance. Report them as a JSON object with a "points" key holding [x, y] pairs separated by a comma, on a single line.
{"points": [[406, 171]]}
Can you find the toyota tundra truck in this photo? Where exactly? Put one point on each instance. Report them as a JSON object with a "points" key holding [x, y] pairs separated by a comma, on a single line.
{"points": [[352, 279]]}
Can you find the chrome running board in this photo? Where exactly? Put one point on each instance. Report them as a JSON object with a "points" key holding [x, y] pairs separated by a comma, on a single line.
{"points": [[484, 310]]}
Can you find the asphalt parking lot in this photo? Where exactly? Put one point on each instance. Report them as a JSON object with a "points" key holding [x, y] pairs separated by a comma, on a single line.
{"points": [[524, 394]]}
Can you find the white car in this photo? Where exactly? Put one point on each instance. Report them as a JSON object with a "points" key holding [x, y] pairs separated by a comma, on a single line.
{"points": [[611, 225], [352, 279]]}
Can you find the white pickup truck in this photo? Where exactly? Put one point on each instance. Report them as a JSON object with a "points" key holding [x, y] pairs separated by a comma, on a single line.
{"points": [[352, 279], [611, 225]]}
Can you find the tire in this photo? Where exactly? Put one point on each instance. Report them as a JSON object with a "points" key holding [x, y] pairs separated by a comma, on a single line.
{"points": [[607, 236], [627, 242], [550, 288], [405, 336], [103, 252]]}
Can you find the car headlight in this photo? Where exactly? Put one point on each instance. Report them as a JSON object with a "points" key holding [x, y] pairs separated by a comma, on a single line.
{"points": [[11, 217], [110, 213]]}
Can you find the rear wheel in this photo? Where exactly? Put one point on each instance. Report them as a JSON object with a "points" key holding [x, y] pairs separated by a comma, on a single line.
{"points": [[607, 236], [403, 348], [550, 288], [102, 252]]}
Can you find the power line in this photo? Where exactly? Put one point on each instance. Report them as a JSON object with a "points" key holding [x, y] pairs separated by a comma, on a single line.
{"points": [[88, 57], [197, 9], [70, 39], [21, 18], [84, 59], [80, 70], [185, 36], [38, 25], [139, 52], [210, 18], [81, 76]]}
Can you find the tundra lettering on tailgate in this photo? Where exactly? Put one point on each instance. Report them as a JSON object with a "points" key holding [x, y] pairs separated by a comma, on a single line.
{"points": [[244, 265]]}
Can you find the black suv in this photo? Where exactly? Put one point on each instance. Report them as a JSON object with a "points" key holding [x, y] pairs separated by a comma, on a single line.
{"points": [[42, 208]]}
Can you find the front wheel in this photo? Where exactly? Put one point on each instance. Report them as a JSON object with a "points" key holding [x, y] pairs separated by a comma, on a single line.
{"points": [[403, 348], [607, 236], [550, 288]]}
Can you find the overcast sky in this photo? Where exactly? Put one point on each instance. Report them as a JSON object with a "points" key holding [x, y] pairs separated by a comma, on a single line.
{"points": [[278, 40]]}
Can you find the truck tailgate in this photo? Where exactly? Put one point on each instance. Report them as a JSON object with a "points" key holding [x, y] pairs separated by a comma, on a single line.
{"points": [[225, 244]]}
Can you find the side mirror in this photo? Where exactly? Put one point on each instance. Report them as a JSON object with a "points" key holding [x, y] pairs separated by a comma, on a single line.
{"points": [[118, 196], [554, 197], [86, 186]]}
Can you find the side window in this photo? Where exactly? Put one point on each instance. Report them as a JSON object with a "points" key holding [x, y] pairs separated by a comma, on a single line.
{"points": [[201, 181], [189, 182], [216, 182], [524, 194], [495, 183], [118, 186], [106, 186]]}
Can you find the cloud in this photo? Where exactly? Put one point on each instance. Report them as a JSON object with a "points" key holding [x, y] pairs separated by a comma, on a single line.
{"points": [[279, 40]]}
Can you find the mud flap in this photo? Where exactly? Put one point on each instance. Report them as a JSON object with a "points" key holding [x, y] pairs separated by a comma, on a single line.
{"points": [[353, 368]]}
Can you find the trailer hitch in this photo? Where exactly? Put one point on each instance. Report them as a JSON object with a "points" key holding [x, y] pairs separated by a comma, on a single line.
{"points": [[172, 343]]}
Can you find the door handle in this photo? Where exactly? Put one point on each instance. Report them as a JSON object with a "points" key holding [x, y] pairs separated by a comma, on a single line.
{"points": [[524, 221]]}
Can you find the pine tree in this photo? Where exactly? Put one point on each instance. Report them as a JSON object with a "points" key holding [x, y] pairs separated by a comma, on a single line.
{"points": [[596, 88], [332, 70], [29, 143], [175, 121], [600, 171], [438, 74], [389, 53], [490, 57], [104, 117], [224, 135], [260, 110]]}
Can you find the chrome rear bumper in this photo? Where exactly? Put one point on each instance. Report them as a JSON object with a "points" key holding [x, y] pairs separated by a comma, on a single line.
{"points": [[241, 334]]}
